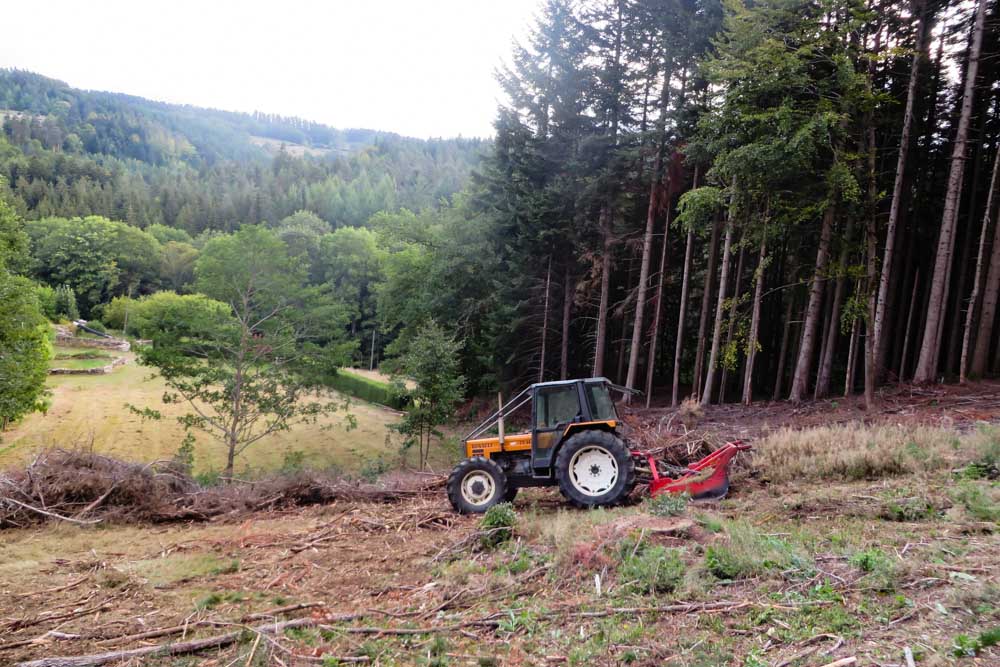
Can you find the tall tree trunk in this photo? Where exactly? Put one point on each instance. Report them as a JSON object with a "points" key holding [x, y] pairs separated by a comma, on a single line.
{"points": [[990, 290], [655, 193], [654, 335], [919, 8], [713, 357], [953, 340], [758, 296], [568, 289], [706, 300], [833, 325], [681, 316], [783, 350], [907, 335], [931, 345], [545, 322], [731, 325], [803, 366], [602, 310], [852, 354]]}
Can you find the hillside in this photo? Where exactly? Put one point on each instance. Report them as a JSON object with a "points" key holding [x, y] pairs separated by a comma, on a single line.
{"points": [[67, 152]]}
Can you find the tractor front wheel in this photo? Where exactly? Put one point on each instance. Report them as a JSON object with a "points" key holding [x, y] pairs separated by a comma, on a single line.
{"points": [[594, 468], [475, 485]]}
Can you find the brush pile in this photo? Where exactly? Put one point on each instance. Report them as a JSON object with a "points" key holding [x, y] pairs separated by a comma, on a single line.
{"points": [[82, 487]]}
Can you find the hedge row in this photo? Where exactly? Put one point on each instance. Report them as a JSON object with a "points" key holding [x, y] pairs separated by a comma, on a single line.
{"points": [[366, 389]]}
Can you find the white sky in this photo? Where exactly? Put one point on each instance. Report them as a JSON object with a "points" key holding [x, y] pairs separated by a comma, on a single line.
{"points": [[422, 68]]}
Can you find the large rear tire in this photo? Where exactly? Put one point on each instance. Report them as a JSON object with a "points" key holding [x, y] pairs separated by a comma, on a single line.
{"points": [[595, 469], [475, 485]]}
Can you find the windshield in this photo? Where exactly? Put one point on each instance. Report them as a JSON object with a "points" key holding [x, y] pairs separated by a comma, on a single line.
{"points": [[602, 407]]}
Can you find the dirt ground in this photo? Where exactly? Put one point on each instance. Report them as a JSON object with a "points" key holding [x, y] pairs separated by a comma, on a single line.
{"points": [[776, 575], [400, 584]]}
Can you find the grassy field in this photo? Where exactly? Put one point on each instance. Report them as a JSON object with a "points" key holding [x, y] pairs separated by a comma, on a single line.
{"points": [[91, 410]]}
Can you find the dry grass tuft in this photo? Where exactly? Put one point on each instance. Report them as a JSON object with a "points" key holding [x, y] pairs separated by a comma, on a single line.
{"points": [[689, 412], [855, 451]]}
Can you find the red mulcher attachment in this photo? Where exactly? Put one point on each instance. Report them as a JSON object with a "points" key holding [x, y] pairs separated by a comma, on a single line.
{"points": [[708, 478]]}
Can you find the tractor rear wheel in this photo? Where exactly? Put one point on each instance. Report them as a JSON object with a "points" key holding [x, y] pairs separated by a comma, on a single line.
{"points": [[594, 468], [475, 485]]}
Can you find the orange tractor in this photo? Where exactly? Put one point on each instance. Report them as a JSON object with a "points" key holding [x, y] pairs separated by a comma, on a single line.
{"points": [[574, 441]]}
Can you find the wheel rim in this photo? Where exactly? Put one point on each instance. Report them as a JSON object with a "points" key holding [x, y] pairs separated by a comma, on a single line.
{"points": [[593, 471], [478, 487]]}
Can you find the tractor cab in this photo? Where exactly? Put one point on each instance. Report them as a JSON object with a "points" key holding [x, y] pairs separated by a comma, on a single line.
{"points": [[565, 433]]}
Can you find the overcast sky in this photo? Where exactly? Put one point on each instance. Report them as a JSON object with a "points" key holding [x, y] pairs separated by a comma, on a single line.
{"points": [[418, 67]]}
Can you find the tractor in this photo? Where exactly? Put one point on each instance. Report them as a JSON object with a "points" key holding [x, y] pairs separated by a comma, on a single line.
{"points": [[571, 439]]}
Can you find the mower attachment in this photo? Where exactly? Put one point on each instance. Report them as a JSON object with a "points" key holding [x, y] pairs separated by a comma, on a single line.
{"points": [[706, 479]]}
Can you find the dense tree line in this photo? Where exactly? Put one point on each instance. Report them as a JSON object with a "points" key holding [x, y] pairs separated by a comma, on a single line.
{"points": [[732, 201]]}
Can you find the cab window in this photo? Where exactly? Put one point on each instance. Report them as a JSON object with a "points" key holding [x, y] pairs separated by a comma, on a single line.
{"points": [[557, 405], [602, 408]]}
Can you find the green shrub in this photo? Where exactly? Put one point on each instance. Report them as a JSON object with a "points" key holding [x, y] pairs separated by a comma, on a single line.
{"points": [[373, 469], [748, 553], [366, 389], [667, 504], [650, 569], [909, 509], [964, 646], [47, 301], [977, 502], [497, 525], [879, 568], [65, 303]]}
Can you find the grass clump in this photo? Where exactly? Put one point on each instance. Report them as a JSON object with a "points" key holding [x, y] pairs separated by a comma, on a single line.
{"points": [[667, 504], [879, 568], [909, 509], [649, 569], [747, 553], [977, 501], [497, 525]]}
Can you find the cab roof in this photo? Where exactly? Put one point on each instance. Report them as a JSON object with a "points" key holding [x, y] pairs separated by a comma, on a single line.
{"points": [[556, 383]]}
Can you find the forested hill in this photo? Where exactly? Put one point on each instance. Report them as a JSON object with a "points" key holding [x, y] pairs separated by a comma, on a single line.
{"points": [[70, 152]]}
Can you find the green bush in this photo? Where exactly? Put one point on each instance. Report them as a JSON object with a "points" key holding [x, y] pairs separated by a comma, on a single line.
{"points": [[748, 553], [667, 504], [497, 525], [47, 301], [366, 389], [977, 502], [65, 303], [650, 569], [879, 569]]}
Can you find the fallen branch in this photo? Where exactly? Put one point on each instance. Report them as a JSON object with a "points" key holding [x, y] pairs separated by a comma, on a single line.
{"points": [[82, 522], [193, 646], [176, 629]]}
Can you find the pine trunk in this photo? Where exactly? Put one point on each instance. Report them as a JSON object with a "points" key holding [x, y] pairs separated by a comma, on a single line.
{"points": [[930, 347], [908, 334], [803, 366], [713, 357], [920, 9], [731, 326], [758, 296], [545, 322], [833, 324], [681, 316], [990, 290], [655, 193], [568, 288], [654, 335], [706, 300], [602, 310], [783, 350]]}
